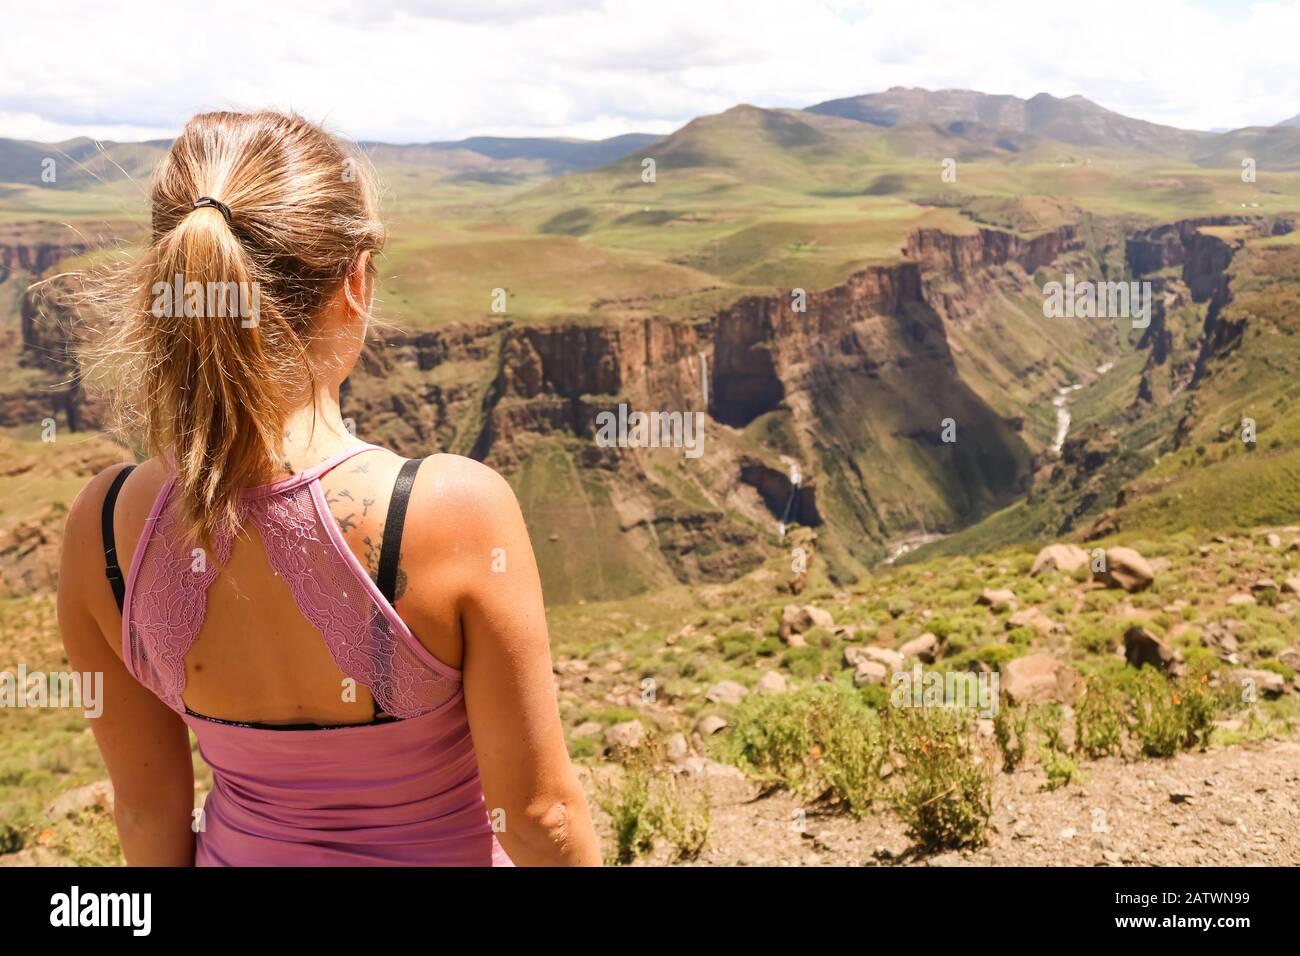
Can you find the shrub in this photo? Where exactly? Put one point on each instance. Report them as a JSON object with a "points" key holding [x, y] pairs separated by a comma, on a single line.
{"points": [[1173, 715], [945, 791], [822, 738], [1057, 762], [649, 799], [1099, 718], [806, 662], [630, 806], [1011, 730]]}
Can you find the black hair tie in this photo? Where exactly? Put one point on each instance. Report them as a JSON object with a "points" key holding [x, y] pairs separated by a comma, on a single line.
{"points": [[217, 204]]}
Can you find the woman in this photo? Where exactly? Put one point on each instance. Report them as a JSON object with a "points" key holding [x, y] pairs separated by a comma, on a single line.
{"points": [[357, 641]]}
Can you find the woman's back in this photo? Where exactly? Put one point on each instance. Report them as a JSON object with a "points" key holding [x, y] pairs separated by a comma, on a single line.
{"points": [[282, 654]]}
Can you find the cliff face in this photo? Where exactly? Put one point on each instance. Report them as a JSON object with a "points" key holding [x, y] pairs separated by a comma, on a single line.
{"points": [[34, 258], [945, 252], [40, 378], [764, 347], [1202, 255], [1180, 338]]}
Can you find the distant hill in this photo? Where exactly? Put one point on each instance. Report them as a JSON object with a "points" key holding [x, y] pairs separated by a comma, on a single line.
{"points": [[79, 162], [1015, 123], [84, 162], [1293, 121]]}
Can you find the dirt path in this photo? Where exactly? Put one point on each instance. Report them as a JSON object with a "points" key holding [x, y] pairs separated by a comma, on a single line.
{"points": [[1234, 806]]}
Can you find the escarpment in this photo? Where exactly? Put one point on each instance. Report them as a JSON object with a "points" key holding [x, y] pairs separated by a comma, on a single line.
{"points": [[766, 345], [947, 252], [860, 390], [1181, 338]]}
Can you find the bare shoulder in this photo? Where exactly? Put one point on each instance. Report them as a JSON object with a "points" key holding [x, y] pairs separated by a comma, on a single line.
{"points": [[462, 479], [460, 497], [88, 505], [83, 541]]}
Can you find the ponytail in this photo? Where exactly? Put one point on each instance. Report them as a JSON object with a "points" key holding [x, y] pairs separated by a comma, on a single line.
{"points": [[258, 220]]}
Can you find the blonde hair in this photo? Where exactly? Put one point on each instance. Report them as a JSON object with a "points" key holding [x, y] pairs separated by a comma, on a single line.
{"points": [[215, 390]]}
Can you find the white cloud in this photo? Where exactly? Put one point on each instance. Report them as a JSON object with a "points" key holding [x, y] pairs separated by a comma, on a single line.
{"points": [[425, 70]]}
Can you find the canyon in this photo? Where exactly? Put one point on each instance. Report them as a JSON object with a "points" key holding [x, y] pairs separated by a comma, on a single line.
{"points": [[853, 387]]}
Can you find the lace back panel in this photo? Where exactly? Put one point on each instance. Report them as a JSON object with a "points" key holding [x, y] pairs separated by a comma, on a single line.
{"points": [[168, 583]]}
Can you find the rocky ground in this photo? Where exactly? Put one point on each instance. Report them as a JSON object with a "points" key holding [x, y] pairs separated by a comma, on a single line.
{"points": [[1231, 806]]}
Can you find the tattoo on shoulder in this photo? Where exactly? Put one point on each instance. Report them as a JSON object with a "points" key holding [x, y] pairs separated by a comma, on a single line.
{"points": [[372, 558], [400, 589]]}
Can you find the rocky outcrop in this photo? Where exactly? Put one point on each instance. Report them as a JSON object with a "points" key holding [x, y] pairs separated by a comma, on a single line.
{"points": [[762, 344], [943, 251], [1175, 243], [402, 396]]}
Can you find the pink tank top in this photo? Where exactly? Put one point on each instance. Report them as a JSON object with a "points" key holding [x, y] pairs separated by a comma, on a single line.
{"points": [[396, 792]]}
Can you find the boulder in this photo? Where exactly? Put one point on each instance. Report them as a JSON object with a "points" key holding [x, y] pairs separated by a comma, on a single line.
{"points": [[625, 736], [710, 725], [1032, 617], [869, 672], [1143, 647], [1291, 585], [798, 619], [677, 749], [1263, 584], [93, 796], [1221, 641], [891, 658], [925, 648], [1040, 679], [1290, 657], [997, 599], [1066, 558], [1273, 539], [772, 682], [1239, 600], [727, 692], [1126, 569]]}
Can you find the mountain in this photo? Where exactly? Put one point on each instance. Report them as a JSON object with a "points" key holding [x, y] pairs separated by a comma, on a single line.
{"points": [[1293, 121], [84, 162], [1015, 123], [547, 156], [80, 162]]}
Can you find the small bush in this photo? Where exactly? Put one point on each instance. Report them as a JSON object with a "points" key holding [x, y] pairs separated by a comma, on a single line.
{"points": [[806, 662], [945, 791], [1011, 730], [1054, 754], [1173, 715], [649, 799], [1099, 718], [822, 738]]}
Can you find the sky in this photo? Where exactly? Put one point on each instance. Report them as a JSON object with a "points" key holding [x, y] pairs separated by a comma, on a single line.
{"points": [[424, 70]]}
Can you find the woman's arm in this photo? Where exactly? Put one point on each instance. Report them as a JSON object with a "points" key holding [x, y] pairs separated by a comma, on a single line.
{"points": [[145, 744], [509, 689]]}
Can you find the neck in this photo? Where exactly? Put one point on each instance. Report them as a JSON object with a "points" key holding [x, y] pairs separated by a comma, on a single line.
{"points": [[315, 431]]}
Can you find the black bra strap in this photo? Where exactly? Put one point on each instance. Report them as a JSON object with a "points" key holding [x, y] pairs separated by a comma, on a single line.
{"points": [[111, 568], [391, 549]]}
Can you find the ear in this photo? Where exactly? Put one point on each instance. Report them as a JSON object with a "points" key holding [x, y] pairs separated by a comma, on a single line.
{"points": [[361, 282]]}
